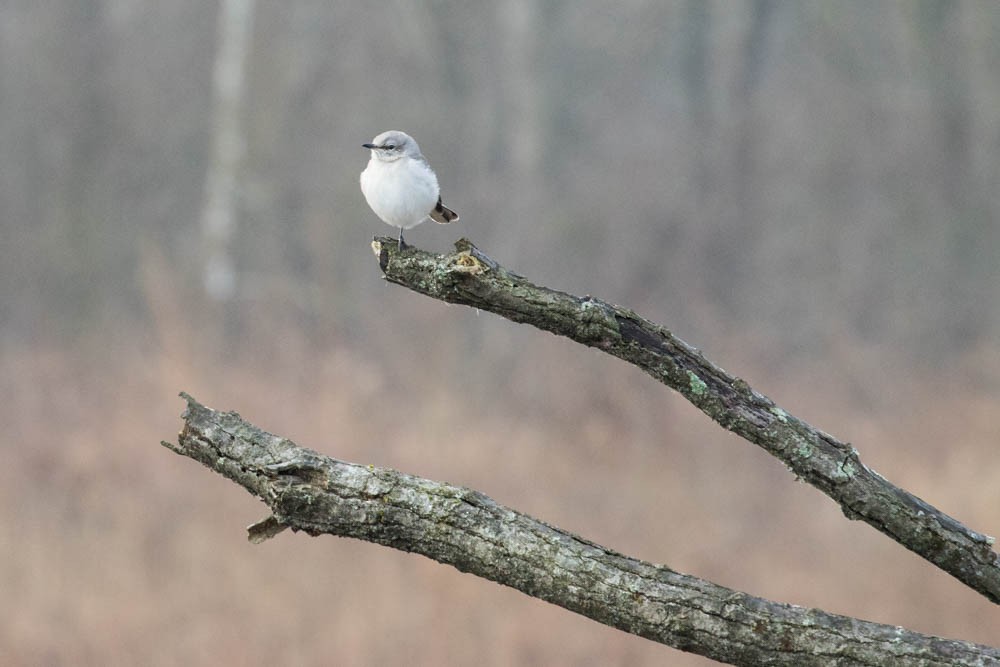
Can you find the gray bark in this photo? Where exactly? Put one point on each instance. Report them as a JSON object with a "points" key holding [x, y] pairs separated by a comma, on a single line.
{"points": [[466, 529], [469, 277]]}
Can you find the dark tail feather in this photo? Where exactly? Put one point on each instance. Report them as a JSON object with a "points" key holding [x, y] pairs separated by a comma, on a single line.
{"points": [[442, 214]]}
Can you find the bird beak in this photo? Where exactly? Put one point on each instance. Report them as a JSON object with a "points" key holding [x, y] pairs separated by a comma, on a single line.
{"points": [[368, 145]]}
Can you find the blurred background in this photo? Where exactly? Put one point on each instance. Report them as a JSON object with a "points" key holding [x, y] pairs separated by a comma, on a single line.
{"points": [[807, 191]]}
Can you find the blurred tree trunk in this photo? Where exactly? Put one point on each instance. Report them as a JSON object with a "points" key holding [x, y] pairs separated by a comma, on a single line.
{"points": [[520, 86], [221, 197], [735, 196]]}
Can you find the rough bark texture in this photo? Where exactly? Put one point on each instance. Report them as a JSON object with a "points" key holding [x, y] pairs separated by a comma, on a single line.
{"points": [[469, 277], [464, 528]]}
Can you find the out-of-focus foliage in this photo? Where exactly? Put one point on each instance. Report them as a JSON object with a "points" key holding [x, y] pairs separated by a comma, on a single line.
{"points": [[803, 171]]}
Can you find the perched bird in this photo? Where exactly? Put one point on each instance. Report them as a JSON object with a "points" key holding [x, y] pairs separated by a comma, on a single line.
{"points": [[400, 186]]}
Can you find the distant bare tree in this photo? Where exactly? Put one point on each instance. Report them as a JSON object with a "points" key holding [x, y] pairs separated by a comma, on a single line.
{"points": [[219, 215]]}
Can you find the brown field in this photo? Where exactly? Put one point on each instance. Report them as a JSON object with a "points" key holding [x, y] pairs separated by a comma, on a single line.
{"points": [[117, 551]]}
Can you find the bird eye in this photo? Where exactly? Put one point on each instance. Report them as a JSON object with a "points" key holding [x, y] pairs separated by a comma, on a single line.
{"points": [[390, 147]]}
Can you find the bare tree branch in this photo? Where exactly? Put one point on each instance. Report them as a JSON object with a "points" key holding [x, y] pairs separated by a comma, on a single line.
{"points": [[466, 529], [469, 277]]}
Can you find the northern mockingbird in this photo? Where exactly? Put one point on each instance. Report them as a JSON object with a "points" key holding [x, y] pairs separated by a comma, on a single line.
{"points": [[400, 186]]}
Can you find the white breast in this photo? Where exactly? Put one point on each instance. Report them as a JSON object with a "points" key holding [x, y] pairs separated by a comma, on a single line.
{"points": [[402, 192]]}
